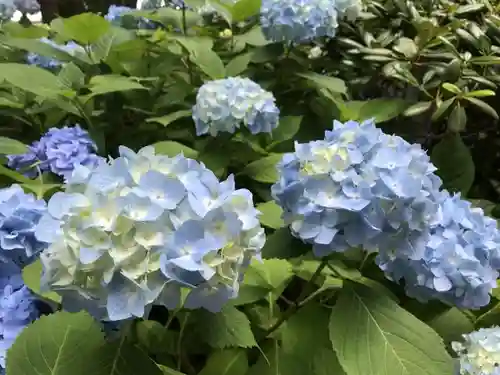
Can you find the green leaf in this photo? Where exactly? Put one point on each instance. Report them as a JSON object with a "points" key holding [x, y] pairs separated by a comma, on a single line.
{"points": [[483, 106], [270, 273], [451, 88], [417, 109], [457, 120], [253, 37], [169, 371], [16, 176], [226, 362], [71, 76], [238, 65], [275, 362], [39, 188], [451, 324], [480, 93], [209, 62], [32, 274], [335, 85], [84, 28], [244, 9], [32, 79], [229, 328], [372, 335], [121, 357], [455, 164], [171, 117], [38, 47], [287, 128], [110, 41], [153, 337], [57, 344], [442, 108], [172, 148], [271, 215], [378, 109], [10, 146], [282, 245], [103, 84], [264, 170]]}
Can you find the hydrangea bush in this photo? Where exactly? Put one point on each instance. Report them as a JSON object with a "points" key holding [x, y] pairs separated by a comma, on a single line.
{"points": [[196, 188]]}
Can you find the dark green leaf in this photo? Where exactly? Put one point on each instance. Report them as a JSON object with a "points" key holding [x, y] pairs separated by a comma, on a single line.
{"points": [[168, 119], [451, 324], [226, 362], [335, 85], [31, 277], [442, 108], [485, 107], [458, 119], [103, 84], [378, 109], [454, 162], [238, 65], [264, 170], [287, 128]]}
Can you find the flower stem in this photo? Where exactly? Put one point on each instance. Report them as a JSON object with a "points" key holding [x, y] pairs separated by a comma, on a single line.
{"points": [[304, 298]]}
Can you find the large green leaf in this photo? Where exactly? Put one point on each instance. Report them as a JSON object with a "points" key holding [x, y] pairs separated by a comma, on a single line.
{"points": [[38, 47], [33, 79], [113, 38], [372, 335], [274, 361], [455, 164], [378, 109], [451, 324], [288, 127], [335, 85], [57, 344], [84, 28], [229, 328], [103, 84], [171, 117], [10, 146], [209, 62], [264, 170], [226, 362], [270, 273]]}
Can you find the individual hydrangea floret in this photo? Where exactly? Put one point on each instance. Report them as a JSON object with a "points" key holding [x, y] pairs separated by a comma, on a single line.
{"points": [[459, 260], [135, 230], [357, 187], [479, 353], [226, 104], [7, 10], [298, 21], [27, 6], [19, 214], [17, 310], [49, 62], [58, 151]]}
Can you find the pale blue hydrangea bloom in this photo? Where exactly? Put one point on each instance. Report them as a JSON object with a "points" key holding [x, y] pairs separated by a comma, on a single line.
{"points": [[19, 214], [357, 187], [58, 151], [226, 104], [133, 231], [457, 263], [479, 353], [49, 62], [17, 308], [298, 20], [7, 9], [27, 6]]}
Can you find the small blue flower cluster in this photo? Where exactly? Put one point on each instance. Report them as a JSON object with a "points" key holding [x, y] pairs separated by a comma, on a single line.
{"points": [[226, 104], [19, 214], [361, 187], [298, 21], [119, 16], [135, 231], [58, 151], [479, 353], [48, 62]]}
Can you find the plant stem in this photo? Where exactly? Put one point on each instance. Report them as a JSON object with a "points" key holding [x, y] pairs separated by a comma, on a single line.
{"points": [[179, 341], [302, 300]]}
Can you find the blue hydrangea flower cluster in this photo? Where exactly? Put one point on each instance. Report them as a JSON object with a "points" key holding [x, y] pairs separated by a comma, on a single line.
{"points": [[19, 214], [298, 21], [456, 263], [58, 151], [134, 231], [116, 16], [357, 187], [226, 104], [27, 6], [17, 308], [479, 353], [7, 9], [48, 62]]}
